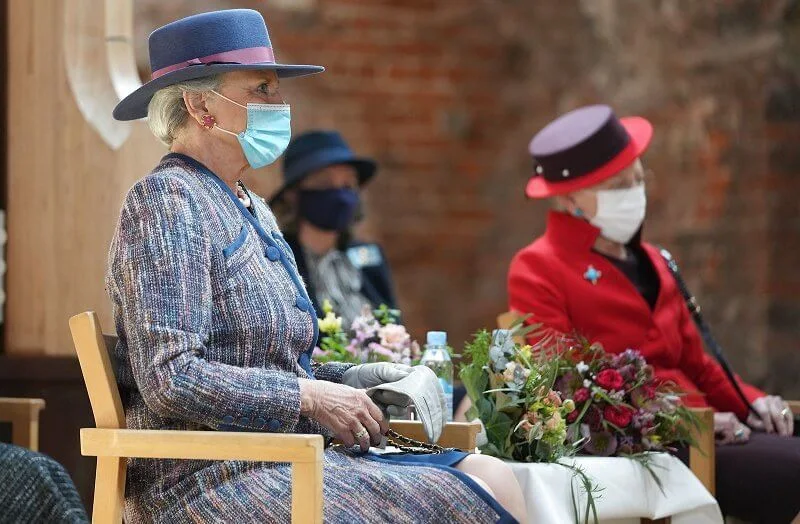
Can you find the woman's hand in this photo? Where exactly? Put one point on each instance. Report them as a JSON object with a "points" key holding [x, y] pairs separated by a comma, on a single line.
{"points": [[365, 376], [774, 416], [348, 412], [728, 429]]}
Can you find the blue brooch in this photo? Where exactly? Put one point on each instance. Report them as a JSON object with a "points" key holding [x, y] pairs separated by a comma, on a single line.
{"points": [[366, 255], [592, 274]]}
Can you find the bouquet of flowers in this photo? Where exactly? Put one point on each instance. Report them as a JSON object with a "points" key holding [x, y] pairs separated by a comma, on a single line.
{"points": [[621, 409], [567, 397], [374, 336], [512, 393], [546, 404]]}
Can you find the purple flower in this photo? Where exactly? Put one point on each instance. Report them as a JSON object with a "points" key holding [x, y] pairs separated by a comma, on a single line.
{"points": [[626, 445], [601, 444], [389, 355], [628, 372], [568, 383], [629, 356], [642, 419]]}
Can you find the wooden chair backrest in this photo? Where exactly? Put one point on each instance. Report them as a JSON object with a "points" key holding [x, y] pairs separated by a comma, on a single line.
{"points": [[23, 414], [98, 373]]}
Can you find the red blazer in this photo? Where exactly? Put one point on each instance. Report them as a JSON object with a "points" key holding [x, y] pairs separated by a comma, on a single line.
{"points": [[548, 279]]}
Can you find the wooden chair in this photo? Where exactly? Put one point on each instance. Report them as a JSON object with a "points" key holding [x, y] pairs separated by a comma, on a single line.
{"points": [[23, 414], [112, 444], [701, 457]]}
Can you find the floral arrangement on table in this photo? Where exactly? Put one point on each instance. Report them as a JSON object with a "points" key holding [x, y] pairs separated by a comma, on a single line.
{"points": [[569, 397], [376, 335], [621, 409]]}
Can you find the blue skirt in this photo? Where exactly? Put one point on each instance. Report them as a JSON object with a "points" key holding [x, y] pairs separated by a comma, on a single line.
{"points": [[446, 461]]}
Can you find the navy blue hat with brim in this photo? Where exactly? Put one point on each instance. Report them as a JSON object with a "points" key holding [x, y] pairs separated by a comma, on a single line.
{"points": [[205, 45], [315, 150]]}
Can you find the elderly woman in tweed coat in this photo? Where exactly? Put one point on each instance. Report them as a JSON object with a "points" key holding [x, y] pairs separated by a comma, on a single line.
{"points": [[215, 326]]}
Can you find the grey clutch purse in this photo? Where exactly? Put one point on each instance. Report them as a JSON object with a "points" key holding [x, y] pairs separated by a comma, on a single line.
{"points": [[422, 390]]}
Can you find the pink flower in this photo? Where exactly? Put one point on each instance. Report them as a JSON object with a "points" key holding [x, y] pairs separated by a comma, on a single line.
{"points": [[553, 397], [394, 336], [415, 350], [385, 352], [581, 396], [649, 391], [553, 422]]}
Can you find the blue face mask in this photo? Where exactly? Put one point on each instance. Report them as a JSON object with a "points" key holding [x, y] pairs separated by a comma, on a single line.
{"points": [[268, 132], [329, 209]]}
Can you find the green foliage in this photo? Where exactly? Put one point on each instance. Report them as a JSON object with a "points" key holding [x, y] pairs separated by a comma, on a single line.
{"points": [[386, 315]]}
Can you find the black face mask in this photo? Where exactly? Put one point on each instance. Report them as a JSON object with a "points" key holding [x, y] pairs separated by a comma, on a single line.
{"points": [[329, 209]]}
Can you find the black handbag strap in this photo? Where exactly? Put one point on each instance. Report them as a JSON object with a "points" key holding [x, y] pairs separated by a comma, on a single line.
{"points": [[702, 326]]}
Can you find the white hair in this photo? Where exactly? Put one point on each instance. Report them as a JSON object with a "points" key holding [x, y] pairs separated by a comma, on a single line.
{"points": [[167, 114]]}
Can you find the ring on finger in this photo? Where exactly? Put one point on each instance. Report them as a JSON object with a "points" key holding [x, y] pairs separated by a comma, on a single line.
{"points": [[739, 433], [361, 434]]}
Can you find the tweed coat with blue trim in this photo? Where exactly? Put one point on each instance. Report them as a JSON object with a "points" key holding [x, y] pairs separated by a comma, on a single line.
{"points": [[213, 325]]}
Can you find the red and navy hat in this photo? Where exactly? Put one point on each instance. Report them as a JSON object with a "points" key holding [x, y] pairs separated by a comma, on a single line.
{"points": [[204, 45], [584, 147]]}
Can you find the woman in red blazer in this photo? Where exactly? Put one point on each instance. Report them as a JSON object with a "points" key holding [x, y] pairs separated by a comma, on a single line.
{"points": [[591, 274]]}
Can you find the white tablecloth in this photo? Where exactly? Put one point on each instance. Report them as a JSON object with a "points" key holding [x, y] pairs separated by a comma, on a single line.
{"points": [[629, 491]]}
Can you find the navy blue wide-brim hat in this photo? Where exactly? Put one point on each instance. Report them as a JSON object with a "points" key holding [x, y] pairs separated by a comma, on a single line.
{"points": [[314, 150], [204, 45]]}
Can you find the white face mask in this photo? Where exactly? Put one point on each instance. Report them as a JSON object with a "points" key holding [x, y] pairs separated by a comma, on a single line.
{"points": [[620, 213]]}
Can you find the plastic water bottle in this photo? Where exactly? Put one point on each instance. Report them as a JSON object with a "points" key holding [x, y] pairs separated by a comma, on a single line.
{"points": [[437, 358]]}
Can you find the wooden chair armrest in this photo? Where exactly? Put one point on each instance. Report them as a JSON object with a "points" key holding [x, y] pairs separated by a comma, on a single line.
{"points": [[461, 435], [13, 409], [794, 405], [701, 457], [25, 403], [207, 445], [23, 413]]}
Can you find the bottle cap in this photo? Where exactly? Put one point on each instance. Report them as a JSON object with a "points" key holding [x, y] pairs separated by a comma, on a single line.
{"points": [[437, 338]]}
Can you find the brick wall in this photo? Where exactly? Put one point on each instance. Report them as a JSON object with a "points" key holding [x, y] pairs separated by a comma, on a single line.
{"points": [[446, 96]]}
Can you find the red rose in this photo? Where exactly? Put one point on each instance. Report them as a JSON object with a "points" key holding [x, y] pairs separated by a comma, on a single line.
{"points": [[582, 395], [610, 379], [572, 416], [620, 416]]}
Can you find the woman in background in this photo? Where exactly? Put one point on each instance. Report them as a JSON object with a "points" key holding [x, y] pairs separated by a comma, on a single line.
{"points": [[317, 207]]}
